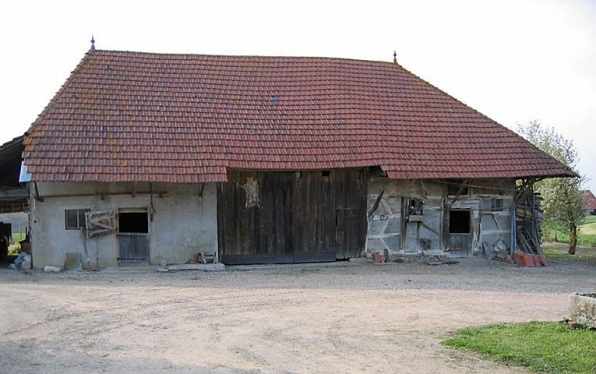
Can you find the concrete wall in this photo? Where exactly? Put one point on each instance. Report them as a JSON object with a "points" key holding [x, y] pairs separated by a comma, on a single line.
{"points": [[183, 224], [392, 230]]}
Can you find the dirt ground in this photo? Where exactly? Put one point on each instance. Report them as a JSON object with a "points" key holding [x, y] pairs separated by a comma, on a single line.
{"points": [[325, 318]]}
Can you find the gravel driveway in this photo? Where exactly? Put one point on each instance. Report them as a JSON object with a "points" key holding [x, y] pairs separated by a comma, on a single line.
{"points": [[333, 318]]}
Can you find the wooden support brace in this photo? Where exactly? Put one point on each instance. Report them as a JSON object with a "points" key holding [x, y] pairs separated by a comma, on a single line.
{"points": [[39, 198]]}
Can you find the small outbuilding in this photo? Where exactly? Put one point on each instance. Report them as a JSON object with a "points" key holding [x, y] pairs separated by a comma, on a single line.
{"points": [[157, 157]]}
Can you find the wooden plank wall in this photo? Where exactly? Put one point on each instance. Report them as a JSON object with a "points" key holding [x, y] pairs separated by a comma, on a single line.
{"points": [[301, 217]]}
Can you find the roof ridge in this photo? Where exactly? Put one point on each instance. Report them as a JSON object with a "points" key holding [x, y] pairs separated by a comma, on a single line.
{"points": [[241, 56]]}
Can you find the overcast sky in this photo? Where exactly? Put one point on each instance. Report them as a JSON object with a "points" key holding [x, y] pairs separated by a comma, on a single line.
{"points": [[514, 61]]}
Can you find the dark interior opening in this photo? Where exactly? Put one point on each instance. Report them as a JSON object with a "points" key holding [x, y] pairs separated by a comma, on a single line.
{"points": [[459, 222], [415, 207], [133, 223], [325, 173]]}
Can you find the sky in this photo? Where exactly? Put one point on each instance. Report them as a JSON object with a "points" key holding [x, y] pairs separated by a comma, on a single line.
{"points": [[513, 60]]}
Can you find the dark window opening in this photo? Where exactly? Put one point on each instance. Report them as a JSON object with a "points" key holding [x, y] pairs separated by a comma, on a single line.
{"points": [[415, 208], [133, 223], [75, 218], [496, 204], [459, 222], [325, 173]]}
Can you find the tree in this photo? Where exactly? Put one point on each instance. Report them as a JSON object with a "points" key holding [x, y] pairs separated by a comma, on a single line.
{"points": [[564, 204]]}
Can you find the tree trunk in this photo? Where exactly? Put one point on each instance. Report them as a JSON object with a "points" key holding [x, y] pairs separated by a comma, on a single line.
{"points": [[556, 239], [572, 238]]}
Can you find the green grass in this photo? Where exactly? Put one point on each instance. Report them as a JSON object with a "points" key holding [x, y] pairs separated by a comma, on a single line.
{"points": [[557, 252], [588, 229], [17, 237], [586, 235], [542, 346]]}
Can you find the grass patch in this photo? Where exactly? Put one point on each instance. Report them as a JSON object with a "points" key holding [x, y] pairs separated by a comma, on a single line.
{"points": [[543, 346], [583, 239], [557, 252], [586, 235], [18, 237], [588, 229]]}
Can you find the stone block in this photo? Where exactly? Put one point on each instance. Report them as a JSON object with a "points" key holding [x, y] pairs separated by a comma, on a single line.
{"points": [[582, 309], [200, 267]]}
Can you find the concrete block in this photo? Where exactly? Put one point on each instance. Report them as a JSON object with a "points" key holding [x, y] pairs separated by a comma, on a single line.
{"points": [[52, 269], [200, 267], [582, 309]]}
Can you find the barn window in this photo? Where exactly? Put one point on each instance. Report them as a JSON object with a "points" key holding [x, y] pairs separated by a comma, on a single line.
{"points": [[325, 173], [496, 205], [415, 208], [133, 222], [459, 222], [75, 218]]}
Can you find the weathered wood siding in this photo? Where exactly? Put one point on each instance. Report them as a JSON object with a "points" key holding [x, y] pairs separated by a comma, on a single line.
{"points": [[299, 216], [392, 230]]}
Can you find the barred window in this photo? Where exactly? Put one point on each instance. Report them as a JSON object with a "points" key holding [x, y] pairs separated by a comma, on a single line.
{"points": [[75, 218], [496, 205]]}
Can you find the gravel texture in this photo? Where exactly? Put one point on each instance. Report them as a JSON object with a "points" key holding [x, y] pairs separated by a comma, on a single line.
{"points": [[323, 318]]}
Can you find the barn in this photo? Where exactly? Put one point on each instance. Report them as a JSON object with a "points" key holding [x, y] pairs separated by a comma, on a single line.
{"points": [[146, 157], [590, 202]]}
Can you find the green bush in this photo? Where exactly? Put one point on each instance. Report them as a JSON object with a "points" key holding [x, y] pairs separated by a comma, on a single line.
{"points": [[14, 250]]}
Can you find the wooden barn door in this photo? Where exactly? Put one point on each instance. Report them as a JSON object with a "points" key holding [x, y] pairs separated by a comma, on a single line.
{"points": [[255, 220], [133, 236], [460, 233], [291, 217], [350, 193]]}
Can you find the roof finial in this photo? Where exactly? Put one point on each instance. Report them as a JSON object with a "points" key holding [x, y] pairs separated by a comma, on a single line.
{"points": [[394, 57], [92, 43]]}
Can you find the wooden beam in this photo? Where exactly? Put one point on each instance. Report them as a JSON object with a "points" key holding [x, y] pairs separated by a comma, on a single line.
{"points": [[104, 194], [458, 194]]}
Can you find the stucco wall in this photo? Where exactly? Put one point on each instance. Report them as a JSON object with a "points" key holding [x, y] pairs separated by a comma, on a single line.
{"points": [[391, 231], [183, 224]]}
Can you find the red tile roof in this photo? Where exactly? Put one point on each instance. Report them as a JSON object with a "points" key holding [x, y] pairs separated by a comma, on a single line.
{"points": [[590, 199], [129, 116]]}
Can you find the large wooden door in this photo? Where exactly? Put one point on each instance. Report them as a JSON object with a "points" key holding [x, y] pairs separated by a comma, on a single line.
{"points": [[286, 217], [256, 229]]}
